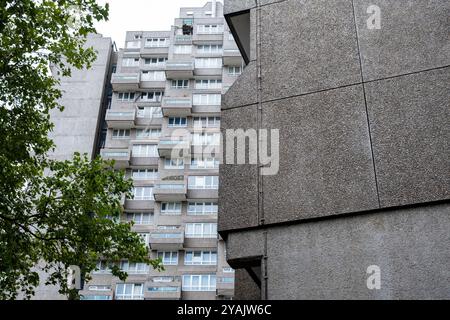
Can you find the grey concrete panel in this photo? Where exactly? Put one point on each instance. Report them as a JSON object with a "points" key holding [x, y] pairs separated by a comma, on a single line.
{"points": [[326, 164], [329, 259], [410, 133], [319, 51], [238, 183], [244, 89], [414, 36]]}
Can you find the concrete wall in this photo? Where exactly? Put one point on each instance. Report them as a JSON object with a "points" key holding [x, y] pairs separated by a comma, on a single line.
{"points": [[362, 119]]}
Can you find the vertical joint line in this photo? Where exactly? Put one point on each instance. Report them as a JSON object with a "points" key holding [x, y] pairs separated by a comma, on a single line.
{"points": [[365, 104]]}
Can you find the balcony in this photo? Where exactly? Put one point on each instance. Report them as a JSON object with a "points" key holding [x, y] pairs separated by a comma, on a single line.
{"points": [[183, 39], [163, 293], [179, 69], [232, 57], [224, 289], [149, 52], [120, 119], [167, 239], [170, 191], [177, 106], [125, 81], [173, 148], [120, 156], [207, 38]]}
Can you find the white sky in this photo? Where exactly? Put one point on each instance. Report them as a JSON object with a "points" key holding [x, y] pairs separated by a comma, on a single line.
{"points": [[141, 15]]}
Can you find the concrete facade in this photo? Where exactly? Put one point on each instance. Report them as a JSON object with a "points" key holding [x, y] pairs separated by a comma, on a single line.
{"points": [[364, 170], [168, 85]]}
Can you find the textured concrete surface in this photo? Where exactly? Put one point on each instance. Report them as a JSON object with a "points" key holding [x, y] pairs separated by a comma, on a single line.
{"points": [[409, 118], [326, 164], [245, 287], [245, 244], [238, 183], [244, 89], [329, 259], [319, 53], [414, 36]]}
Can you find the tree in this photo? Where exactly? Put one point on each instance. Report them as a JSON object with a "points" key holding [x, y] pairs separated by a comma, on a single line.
{"points": [[56, 212]]}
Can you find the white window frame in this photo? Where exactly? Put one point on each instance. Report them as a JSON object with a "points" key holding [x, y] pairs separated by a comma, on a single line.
{"points": [[182, 49], [203, 282], [203, 182], [206, 84], [200, 258], [234, 71], [174, 163], [208, 63], [201, 230], [210, 28], [157, 42], [153, 75], [148, 133], [133, 267], [144, 174], [130, 62], [177, 122], [206, 139], [168, 258], [210, 49], [207, 99], [144, 151], [126, 96], [156, 62], [121, 134], [156, 96], [137, 291], [149, 112], [207, 122], [171, 208], [142, 193], [133, 44], [202, 208], [138, 218], [180, 84], [202, 163]]}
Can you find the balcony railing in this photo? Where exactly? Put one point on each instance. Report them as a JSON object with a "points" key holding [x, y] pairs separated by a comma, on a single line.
{"points": [[120, 119], [125, 81], [176, 106], [179, 69]]}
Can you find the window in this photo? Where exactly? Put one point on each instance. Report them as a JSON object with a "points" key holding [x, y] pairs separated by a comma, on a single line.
{"points": [[210, 28], [205, 282], [103, 267], [182, 49], [169, 258], [202, 208], [208, 63], [126, 96], [226, 280], [153, 76], [207, 122], [137, 36], [148, 133], [207, 99], [171, 208], [206, 258], [149, 112], [145, 150], [180, 84], [130, 291], [121, 134], [143, 193], [210, 48], [157, 42], [234, 71], [177, 122], [155, 62], [205, 182], [140, 218], [206, 139], [174, 164], [230, 37], [163, 289], [201, 230], [130, 62], [154, 96], [133, 268], [133, 45], [208, 84], [228, 270], [202, 163], [96, 298], [145, 174]]}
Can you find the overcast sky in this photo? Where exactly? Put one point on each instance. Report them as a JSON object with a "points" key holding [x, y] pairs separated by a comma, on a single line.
{"points": [[141, 15]]}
